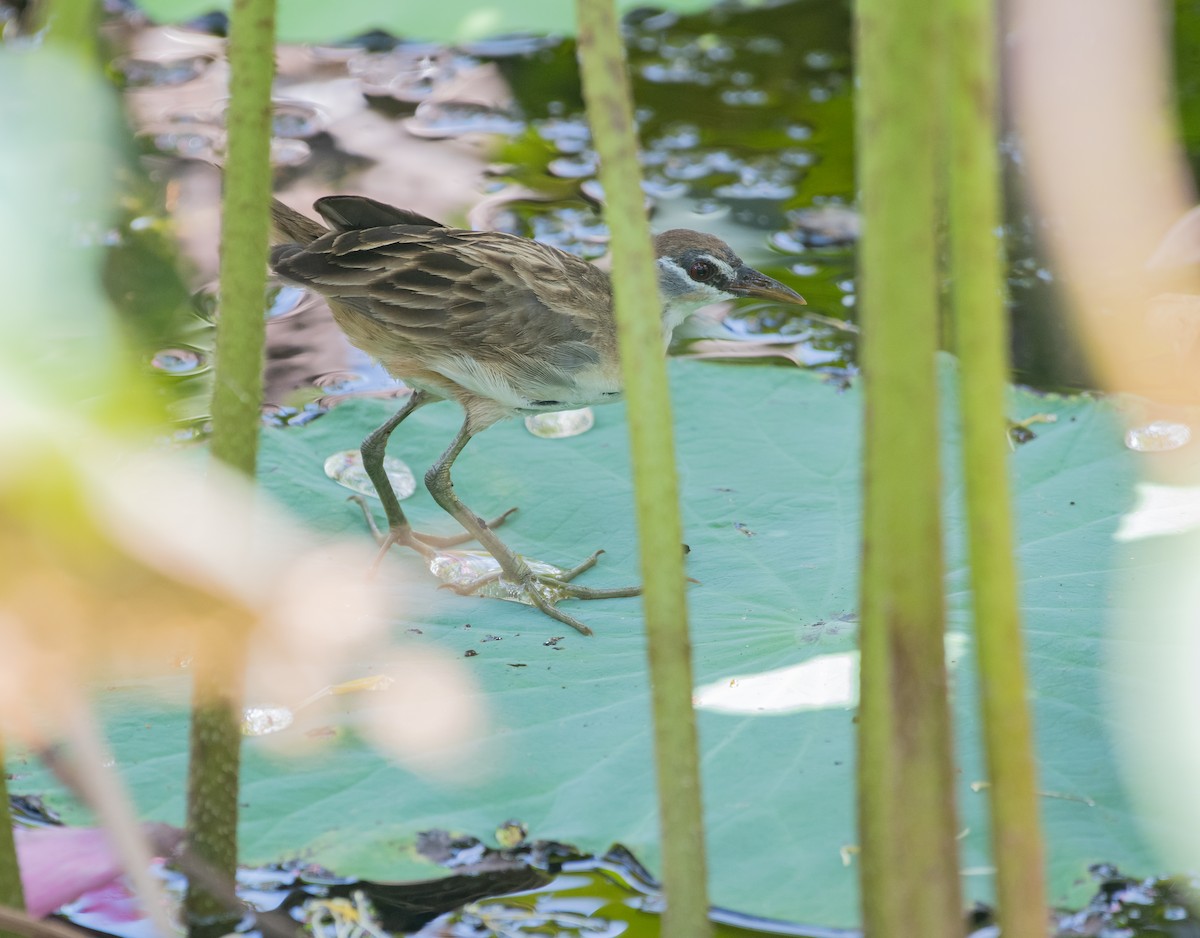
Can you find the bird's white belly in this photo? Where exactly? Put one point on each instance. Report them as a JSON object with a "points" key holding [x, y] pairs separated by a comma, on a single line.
{"points": [[549, 390], [586, 390]]}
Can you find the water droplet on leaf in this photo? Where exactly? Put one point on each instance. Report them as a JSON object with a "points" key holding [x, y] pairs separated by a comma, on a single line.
{"points": [[560, 423], [346, 468], [463, 568], [1158, 437], [260, 721]]}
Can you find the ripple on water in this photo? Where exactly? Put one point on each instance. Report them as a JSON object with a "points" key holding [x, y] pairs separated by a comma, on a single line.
{"points": [[579, 166], [282, 300], [658, 187], [686, 167], [284, 151], [594, 190], [285, 300], [200, 134], [511, 46], [755, 188], [163, 72], [677, 137], [708, 208], [678, 71], [339, 383], [745, 97], [191, 430], [569, 135], [297, 119], [818, 226], [180, 361], [579, 231], [283, 415], [435, 120], [189, 138], [408, 74]]}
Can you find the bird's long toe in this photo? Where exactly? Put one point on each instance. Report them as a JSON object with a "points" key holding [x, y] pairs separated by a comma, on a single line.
{"points": [[454, 540], [562, 583], [418, 540]]}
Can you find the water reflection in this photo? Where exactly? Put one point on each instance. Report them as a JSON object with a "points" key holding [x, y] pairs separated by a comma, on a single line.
{"points": [[744, 135], [745, 116]]}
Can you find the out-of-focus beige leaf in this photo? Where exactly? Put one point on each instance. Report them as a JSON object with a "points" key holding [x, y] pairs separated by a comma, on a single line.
{"points": [[118, 557]]}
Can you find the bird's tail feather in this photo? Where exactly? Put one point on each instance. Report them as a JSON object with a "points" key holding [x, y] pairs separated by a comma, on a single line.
{"points": [[290, 227]]}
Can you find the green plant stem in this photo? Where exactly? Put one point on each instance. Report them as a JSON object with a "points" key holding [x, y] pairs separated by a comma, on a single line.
{"points": [[981, 329], [11, 893], [237, 395], [607, 94], [237, 401], [88, 773], [212, 810], [907, 825]]}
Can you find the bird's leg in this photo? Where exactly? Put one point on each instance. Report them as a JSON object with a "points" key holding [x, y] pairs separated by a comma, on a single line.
{"points": [[373, 449], [399, 530], [434, 540], [542, 590]]}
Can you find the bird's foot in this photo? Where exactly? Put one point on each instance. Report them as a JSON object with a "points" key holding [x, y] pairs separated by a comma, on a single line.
{"points": [[424, 544], [475, 573]]}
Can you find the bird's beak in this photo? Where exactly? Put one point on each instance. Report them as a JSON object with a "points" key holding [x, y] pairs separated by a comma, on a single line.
{"points": [[750, 282]]}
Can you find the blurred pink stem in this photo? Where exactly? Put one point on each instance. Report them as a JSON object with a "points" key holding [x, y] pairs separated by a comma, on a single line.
{"points": [[88, 772]]}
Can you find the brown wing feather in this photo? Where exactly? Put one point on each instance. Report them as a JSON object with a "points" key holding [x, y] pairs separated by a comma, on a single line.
{"points": [[531, 313], [483, 288], [350, 212]]}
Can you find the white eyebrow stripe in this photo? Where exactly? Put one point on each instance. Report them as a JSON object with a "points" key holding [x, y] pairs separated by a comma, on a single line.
{"points": [[721, 265]]}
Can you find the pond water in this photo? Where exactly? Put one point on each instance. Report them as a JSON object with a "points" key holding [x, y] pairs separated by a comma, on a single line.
{"points": [[745, 135], [746, 120]]}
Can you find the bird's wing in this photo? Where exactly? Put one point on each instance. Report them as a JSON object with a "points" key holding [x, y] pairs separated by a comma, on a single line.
{"points": [[529, 311], [351, 212]]}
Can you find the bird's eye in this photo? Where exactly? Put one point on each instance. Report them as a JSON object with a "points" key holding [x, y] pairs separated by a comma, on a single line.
{"points": [[701, 271]]}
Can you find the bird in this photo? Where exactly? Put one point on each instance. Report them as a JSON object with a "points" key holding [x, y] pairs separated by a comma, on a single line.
{"points": [[501, 324]]}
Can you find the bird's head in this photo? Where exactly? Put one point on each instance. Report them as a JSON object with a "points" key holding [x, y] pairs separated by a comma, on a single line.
{"points": [[695, 269]]}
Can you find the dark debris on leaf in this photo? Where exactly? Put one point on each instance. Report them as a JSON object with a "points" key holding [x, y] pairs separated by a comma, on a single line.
{"points": [[1124, 907], [405, 907], [277, 895], [1020, 434], [31, 810], [469, 854]]}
